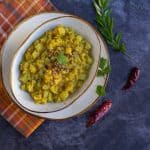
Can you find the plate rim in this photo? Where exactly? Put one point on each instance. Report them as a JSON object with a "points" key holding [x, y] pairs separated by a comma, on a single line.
{"points": [[1, 53]]}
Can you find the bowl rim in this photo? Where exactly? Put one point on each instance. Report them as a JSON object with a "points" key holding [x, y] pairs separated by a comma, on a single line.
{"points": [[88, 85]]}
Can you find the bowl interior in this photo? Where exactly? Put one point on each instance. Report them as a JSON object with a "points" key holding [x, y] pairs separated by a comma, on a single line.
{"points": [[79, 26]]}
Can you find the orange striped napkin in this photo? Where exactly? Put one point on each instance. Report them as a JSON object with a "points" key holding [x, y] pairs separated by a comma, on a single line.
{"points": [[11, 13]]}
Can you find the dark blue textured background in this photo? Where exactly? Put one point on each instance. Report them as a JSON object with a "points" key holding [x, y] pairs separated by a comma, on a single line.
{"points": [[127, 126]]}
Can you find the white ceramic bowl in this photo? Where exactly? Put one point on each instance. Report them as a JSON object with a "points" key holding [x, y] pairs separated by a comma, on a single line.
{"points": [[83, 28]]}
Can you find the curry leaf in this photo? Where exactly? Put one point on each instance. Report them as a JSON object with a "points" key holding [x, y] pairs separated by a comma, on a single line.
{"points": [[106, 24], [62, 59], [100, 90], [104, 67]]}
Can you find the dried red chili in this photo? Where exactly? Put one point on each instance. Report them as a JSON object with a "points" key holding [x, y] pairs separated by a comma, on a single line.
{"points": [[99, 113], [133, 77]]}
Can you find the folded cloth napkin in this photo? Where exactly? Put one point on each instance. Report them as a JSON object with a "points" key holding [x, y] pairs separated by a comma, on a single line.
{"points": [[11, 13]]}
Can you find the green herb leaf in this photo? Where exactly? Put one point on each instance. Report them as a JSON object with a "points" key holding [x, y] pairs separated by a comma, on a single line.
{"points": [[100, 90], [62, 59], [123, 48], [118, 38], [97, 8], [104, 72], [104, 67], [103, 63], [106, 24], [105, 4]]}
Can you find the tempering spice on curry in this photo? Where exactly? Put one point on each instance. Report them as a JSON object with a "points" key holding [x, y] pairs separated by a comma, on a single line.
{"points": [[55, 65]]}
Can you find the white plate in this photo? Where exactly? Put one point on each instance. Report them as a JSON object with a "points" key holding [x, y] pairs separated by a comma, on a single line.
{"points": [[9, 49], [80, 26]]}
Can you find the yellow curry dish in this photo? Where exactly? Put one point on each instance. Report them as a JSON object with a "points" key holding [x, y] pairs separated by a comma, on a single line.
{"points": [[55, 65]]}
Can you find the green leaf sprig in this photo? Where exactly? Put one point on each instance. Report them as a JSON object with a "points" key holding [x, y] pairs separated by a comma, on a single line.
{"points": [[106, 25], [62, 59], [100, 90], [104, 69]]}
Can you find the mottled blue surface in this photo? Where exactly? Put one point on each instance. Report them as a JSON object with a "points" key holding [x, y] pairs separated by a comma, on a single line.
{"points": [[127, 126]]}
